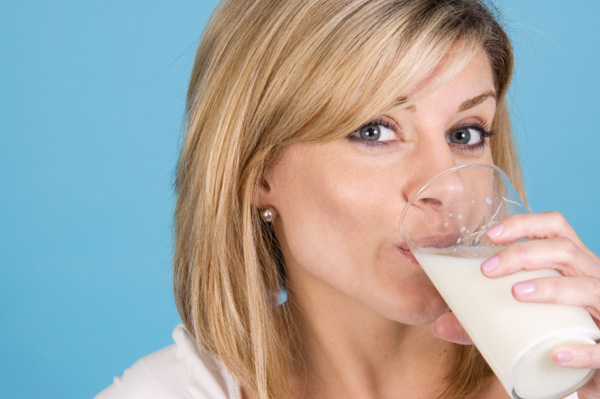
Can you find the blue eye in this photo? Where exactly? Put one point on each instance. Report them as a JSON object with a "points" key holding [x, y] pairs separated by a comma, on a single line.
{"points": [[465, 136], [370, 132], [469, 137], [375, 131]]}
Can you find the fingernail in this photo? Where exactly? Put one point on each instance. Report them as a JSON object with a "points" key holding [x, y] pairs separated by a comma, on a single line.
{"points": [[495, 231], [524, 288], [490, 264], [564, 356]]}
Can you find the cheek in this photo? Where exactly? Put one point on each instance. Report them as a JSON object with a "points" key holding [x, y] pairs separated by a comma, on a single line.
{"points": [[337, 217], [338, 225]]}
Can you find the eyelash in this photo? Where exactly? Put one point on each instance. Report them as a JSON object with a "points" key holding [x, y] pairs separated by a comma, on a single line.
{"points": [[485, 135], [374, 144]]}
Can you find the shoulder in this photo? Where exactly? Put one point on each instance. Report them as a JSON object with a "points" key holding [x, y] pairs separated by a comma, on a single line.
{"points": [[177, 371]]}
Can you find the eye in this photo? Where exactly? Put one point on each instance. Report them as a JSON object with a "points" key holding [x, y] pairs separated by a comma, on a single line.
{"points": [[467, 136], [376, 131]]}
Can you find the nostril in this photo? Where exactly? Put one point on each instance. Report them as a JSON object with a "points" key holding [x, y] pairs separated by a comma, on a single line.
{"points": [[431, 201]]}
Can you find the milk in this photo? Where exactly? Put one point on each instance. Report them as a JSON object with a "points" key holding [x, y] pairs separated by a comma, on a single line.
{"points": [[515, 338]]}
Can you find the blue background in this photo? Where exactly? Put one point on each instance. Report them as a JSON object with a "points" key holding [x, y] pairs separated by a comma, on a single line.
{"points": [[91, 104]]}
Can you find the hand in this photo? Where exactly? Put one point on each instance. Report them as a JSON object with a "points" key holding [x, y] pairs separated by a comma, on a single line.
{"points": [[554, 244]]}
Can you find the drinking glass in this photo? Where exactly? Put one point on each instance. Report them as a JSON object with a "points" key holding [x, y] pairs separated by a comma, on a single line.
{"points": [[444, 226]]}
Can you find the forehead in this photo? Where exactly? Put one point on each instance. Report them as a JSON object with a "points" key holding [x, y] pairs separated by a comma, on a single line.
{"points": [[460, 76], [463, 88]]}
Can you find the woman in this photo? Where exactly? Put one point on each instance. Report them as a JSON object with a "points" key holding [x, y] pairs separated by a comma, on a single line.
{"points": [[310, 125]]}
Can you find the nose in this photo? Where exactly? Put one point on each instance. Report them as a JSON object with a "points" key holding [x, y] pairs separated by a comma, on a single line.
{"points": [[434, 199], [442, 192], [429, 161]]}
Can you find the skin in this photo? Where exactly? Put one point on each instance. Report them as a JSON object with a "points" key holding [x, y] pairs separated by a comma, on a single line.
{"points": [[365, 308]]}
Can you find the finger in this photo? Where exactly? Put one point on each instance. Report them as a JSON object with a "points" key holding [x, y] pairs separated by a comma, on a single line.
{"points": [[583, 292], [448, 327], [535, 225], [580, 356], [559, 253]]}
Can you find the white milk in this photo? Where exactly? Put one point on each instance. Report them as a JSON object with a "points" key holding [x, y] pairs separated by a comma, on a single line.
{"points": [[515, 338]]}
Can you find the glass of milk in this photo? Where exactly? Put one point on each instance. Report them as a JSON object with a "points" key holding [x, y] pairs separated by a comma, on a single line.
{"points": [[444, 226]]}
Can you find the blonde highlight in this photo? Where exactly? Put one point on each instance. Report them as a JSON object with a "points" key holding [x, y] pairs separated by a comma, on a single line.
{"points": [[271, 73]]}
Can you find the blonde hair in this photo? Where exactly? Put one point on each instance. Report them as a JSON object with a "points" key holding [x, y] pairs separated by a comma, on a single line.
{"points": [[269, 73]]}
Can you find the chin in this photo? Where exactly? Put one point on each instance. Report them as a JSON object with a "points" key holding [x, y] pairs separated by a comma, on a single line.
{"points": [[430, 312], [419, 306]]}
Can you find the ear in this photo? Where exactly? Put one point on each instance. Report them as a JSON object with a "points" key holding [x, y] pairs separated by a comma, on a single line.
{"points": [[263, 195], [266, 193]]}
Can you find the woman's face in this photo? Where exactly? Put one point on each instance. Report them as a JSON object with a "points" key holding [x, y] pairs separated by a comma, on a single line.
{"points": [[339, 203]]}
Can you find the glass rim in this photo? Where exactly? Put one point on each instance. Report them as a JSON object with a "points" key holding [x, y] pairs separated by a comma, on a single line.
{"points": [[442, 175]]}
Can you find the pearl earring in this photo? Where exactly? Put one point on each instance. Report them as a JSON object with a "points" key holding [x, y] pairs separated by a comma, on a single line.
{"points": [[268, 214]]}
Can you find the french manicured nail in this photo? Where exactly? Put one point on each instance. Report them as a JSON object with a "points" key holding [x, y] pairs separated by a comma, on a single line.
{"points": [[490, 264], [564, 356], [495, 231], [524, 288]]}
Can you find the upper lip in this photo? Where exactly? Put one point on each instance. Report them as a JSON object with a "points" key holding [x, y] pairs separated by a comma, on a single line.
{"points": [[437, 241], [434, 241]]}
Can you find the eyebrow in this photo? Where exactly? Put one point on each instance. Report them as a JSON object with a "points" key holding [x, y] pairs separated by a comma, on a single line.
{"points": [[465, 105]]}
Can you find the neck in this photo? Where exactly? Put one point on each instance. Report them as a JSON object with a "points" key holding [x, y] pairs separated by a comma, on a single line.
{"points": [[351, 353]]}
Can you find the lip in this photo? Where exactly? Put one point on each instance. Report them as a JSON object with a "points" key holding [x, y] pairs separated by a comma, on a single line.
{"points": [[433, 241], [438, 241], [407, 253]]}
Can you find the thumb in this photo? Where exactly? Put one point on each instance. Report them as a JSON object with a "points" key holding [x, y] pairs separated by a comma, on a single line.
{"points": [[448, 328]]}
